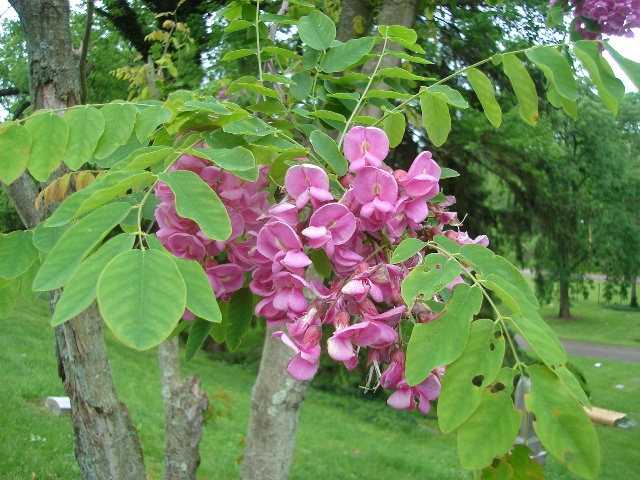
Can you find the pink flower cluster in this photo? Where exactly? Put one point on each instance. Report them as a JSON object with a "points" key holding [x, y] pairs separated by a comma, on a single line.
{"points": [[614, 17], [245, 202], [361, 305]]}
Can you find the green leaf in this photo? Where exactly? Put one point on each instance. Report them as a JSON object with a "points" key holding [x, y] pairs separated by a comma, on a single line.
{"points": [[200, 297], [234, 159], [282, 52], [144, 312], [631, 68], [235, 54], [150, 118], [492, 428], [237, 25], [26, 282], [407, 249], [210, 104], [86, 125], [302, 89], [469, 375], [249, 126], [82, 288], [75, 245], [240, 314], [561, 424], [119, 122], [435, 117], [45, 238], [556, 69], [50, 134], [327, 148], [8, 298], [340, 57], [397, 72], [448, 95], [486, 263], [17, 253], [430, 280], [327, 115], [219, 330], [119, 154], [199, 202], [610, 88], [448, 173], [143, 158], [200, 330], [449, 245], [15, 145], [540, 337], [394, 125], [409, 58], [321, 262], [317, 30], [569, 381], [102, 190], [499, 469], [523, 87], [441, 341], [486, 94], [506, 292], [268, 106], [524, 467]]}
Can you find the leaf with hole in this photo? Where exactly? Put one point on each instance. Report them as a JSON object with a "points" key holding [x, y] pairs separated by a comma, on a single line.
{"points": [[435, 273], [561, 423], [468, 376], [492, 429], [442, 340]]}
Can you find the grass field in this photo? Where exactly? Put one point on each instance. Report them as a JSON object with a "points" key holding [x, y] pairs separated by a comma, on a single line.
{"points": [[341, 437], [595, 321]]}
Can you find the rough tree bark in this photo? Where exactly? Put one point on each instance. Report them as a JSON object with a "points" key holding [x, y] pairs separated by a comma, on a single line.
{"points": [[394, 12], [352, 12], [106, 440], [275, 413], [565, 304], [184, 408]]}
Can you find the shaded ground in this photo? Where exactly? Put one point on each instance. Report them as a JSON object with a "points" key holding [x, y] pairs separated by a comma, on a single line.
{"points": [[595, 350]]}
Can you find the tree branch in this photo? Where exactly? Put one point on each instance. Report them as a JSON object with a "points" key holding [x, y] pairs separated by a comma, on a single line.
{"points": [[84, 52], [7, 92]]}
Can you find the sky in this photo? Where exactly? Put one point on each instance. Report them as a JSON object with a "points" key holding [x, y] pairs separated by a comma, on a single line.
{"points": [[628, 47]]}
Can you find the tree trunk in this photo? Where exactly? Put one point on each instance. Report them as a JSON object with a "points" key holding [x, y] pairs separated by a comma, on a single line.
{"points": [[275, 412], [355, 15], [394, 12], [184, 408], [634, 296], [565, 312], [106, 439]]}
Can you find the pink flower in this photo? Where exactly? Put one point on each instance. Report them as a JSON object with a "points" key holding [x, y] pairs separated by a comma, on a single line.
{"points": [[277, 241], [404, 398], [224, 279], [307, 182], [330, 225], [364, 334], [421, 181], [377, 191], [365, 146], [304, 364], [183, 245]]}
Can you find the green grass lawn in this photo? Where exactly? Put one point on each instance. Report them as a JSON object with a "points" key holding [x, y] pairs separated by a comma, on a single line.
{"points": [[595, 322], [340, 437]]}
